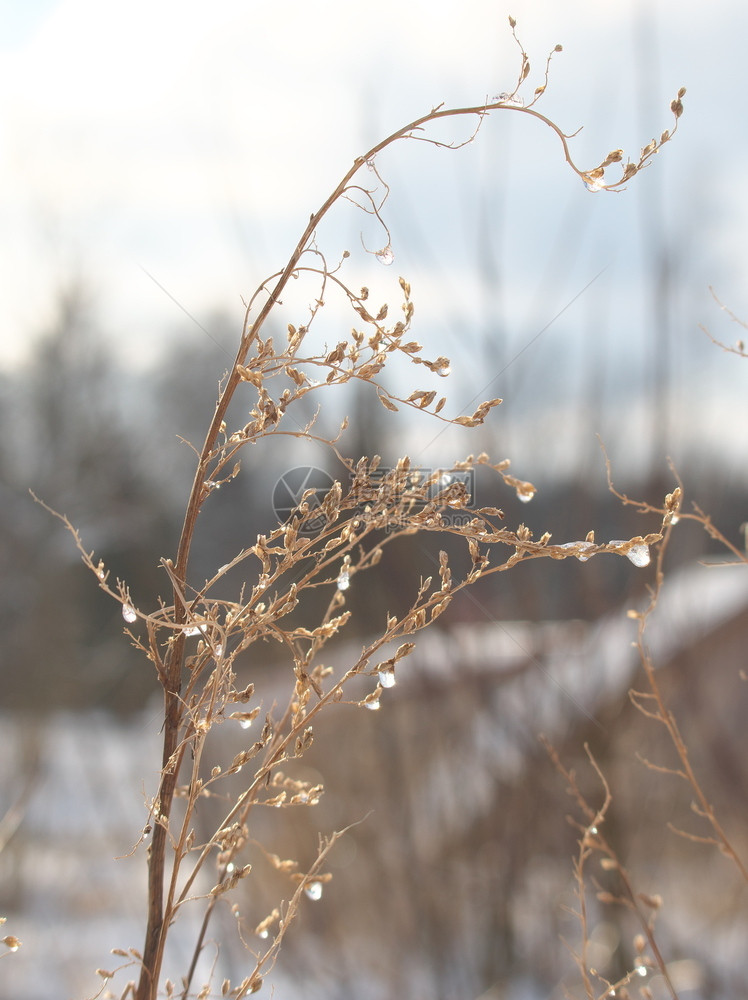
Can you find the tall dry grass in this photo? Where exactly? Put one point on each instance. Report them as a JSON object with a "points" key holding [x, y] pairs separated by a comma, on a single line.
{"points": [[296, 579]]}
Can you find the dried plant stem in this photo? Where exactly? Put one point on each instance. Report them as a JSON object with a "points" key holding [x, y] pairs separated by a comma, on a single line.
{"points": [[653, 705], [593, 842], [157, 927], [320, 545]]}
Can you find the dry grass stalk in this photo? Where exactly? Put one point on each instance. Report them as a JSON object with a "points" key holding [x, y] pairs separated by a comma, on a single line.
{"points": [[195, 640], [652, 704], [593, 845], [739, 347]]}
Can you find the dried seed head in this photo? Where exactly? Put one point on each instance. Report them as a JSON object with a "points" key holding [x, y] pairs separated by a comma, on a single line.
{"points": [[673, 500]]}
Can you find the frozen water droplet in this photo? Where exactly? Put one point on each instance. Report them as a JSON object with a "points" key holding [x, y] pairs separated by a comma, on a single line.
{"points": [[313, 890], [344, 580], [264, 934], [194, 629], [386, 255], [638, 555], [673, 519], [525, 492], [246, 723], [582, 548], [593, 183], [387, 677], [373, 706], [593, 829], [230, 867], [641, 970], [512, 100], [129, 613], [218, 652]]}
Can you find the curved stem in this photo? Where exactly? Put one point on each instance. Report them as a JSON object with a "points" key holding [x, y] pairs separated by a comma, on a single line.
{"points": [[158, 921]]}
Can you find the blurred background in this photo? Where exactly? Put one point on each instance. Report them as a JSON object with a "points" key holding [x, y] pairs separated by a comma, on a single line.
{"points": [[156, 164]]}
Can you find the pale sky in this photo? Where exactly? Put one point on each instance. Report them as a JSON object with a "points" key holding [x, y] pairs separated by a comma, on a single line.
{"points": [[192, 142]]}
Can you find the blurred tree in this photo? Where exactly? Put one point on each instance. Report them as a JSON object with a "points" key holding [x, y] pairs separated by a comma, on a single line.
{"points": [[72, 445]]}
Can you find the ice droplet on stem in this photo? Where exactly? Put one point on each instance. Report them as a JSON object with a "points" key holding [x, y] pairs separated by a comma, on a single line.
{"points": [[129, 613], [512, 100], [313, 890], [594, 183], [195, 629], [344, 579], [387, 677], [637, 554], [525, 492], [386, 255], [582, 549]]}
